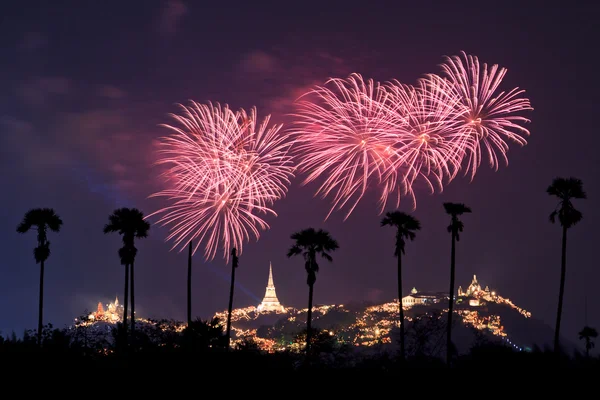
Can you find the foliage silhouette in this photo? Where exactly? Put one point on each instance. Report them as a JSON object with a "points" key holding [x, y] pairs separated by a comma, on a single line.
{"points": [[163, 343], [326, 348], [204, 335], [42, 219], [405, 225], [234, 265], [310, 243], [189, 285], [425, 335], [130, 224], [587, 334], [566, 189], [456, 226]]}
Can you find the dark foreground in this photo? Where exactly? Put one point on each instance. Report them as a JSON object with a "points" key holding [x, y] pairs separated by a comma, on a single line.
{"points": [[204, 346]]}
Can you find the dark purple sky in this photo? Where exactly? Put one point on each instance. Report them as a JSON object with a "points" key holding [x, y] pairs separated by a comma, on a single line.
{"points": [[85, 85]]}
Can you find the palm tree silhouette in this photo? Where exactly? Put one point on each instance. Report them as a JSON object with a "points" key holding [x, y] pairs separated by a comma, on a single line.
{"points": [[130, 223], [310, 242], [588, 333], [42, 219], [234, 265], [456, 226], [189, 286], [566, 189], [405, 225]]}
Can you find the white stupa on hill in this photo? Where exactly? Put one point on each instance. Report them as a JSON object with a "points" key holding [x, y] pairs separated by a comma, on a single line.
{"points": [[270, 302]]}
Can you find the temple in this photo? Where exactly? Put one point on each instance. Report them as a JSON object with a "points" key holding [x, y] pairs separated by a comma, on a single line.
{"points": [[475, 294], [112, 314], [473, 289], [270, 302], [416, 298]]}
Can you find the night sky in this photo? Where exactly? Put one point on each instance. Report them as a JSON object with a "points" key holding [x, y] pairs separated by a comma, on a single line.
{"points": [[86, 84]]}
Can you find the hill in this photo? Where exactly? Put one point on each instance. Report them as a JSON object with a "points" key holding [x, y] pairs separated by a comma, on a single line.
{"points": [[481, 316]]}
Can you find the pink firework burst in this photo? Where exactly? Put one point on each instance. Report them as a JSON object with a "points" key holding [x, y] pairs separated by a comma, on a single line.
{"points": [[489, 118], [224, 172], [428, 145], [345, 136]]}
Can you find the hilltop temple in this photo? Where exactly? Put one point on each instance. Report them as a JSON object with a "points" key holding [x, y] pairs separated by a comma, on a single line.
{"points": [[473, 289], [416, 298], [270, 302], [476, 295], [112, 314]]}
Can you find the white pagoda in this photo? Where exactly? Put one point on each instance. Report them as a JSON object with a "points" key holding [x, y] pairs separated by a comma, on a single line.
{"points": [[270, 302]]}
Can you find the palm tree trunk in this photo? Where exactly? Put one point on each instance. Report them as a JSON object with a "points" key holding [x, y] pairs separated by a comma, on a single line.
{"points": [[309, 319], [189, 287], [401, 310], [587, 347], [230, 304], [132, 306], [41, 305], [125, 302], [450, 302], [561, 292]]}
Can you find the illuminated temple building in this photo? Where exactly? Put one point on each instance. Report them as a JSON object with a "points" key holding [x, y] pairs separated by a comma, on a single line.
{"points": [[473, 288], [476, 294], [112, 314], [270, 302], [416, 298]]}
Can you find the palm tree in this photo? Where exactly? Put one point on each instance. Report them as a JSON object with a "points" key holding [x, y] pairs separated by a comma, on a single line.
{"points": [[565, 189], [43, 219], [189, 286], [456, 226], [405, 225], [130, 223], [310, 242], [234, 265], [588, 334]]}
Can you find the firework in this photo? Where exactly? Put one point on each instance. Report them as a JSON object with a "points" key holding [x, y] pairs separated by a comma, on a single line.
{"points": [[488, 118], [346, 136], [223, 173], [355, 134], [428, 132]]}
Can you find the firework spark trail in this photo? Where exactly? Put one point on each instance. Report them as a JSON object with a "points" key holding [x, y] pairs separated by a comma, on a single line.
{"points": [[357, 134], [346, 136], [224, 173], [428, 143], [490, 119]]}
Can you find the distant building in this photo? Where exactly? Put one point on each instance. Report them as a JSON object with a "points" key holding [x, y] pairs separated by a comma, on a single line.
{"points": [[416, 298], [476, 295], [270, 302], [113, 312], [474, 289]]}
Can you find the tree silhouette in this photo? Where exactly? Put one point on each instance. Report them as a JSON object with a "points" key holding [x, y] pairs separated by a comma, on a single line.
{"points": [[566, 189], [587, 334], [310, 243], [234, 265], [189, 285], [456, 226], [202, 335], [130, 224], [42, 219], [405, 225]]}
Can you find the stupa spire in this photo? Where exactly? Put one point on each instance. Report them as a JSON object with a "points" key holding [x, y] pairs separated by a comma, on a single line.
{"points": [[270, 301], [270, 282]]}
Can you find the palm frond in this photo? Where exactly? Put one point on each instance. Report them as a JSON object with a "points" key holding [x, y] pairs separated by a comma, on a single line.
{"points": [[566, 189], [294, 250]]}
